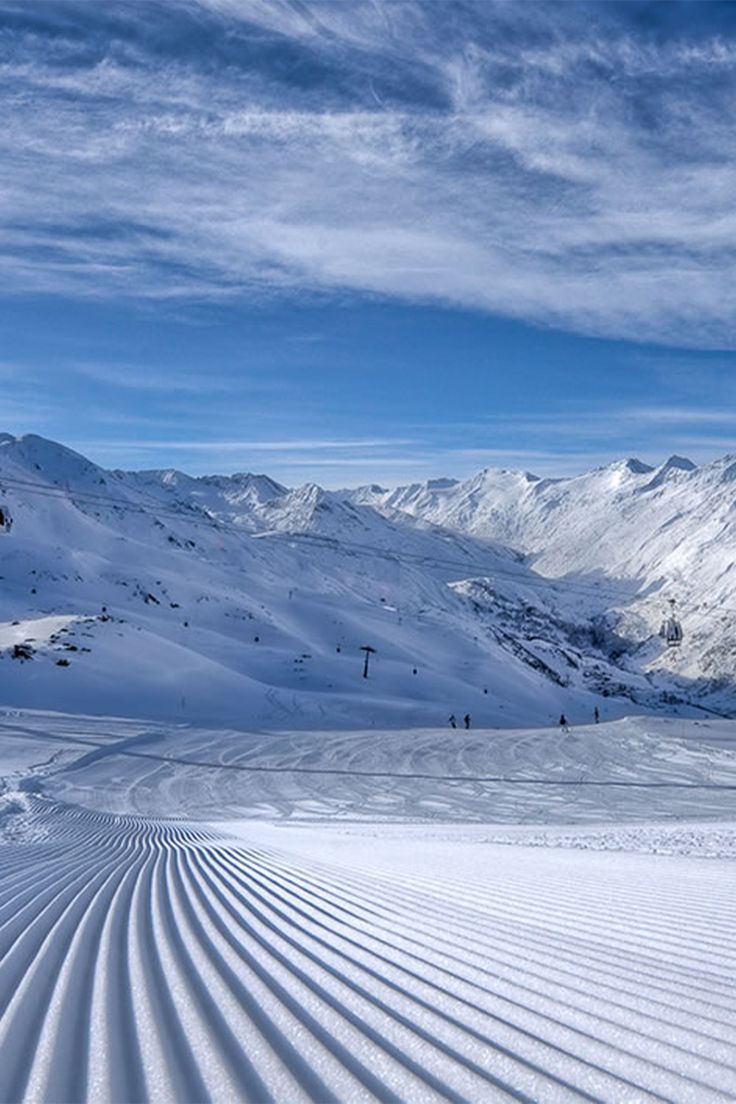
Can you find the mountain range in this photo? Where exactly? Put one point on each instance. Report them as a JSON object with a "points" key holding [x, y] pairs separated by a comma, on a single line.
{"points": [[237, 600]]}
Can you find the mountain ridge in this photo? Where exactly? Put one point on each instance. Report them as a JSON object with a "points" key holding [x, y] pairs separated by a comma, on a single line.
{"points": [[507, 595]]}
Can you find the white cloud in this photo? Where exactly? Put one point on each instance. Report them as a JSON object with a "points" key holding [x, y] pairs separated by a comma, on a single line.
{"points": [[672, 415], [291, 444], [554, 186], [168, 380]]}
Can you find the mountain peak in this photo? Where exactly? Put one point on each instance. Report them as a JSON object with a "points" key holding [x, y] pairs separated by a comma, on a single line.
{"points": [[674, 466], [441, 483], [58, 463], [502, 475], [635, 466], [679, 463]]}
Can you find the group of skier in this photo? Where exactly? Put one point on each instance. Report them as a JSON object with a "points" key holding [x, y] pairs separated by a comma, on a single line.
{"points": [[563, 721], [565, 726]]}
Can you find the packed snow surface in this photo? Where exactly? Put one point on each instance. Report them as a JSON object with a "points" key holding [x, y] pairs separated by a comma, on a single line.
{"points": [[193, 913]]}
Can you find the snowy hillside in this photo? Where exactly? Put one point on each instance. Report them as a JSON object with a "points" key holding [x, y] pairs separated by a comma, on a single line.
{"points": [[653, 533], [235, 599]]}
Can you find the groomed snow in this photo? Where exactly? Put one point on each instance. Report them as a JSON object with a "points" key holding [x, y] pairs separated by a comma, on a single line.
{"points": [[199, 914]]}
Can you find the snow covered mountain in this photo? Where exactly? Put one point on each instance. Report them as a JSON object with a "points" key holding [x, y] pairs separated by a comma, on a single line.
{"points": [[640, 535], [233, 598]]}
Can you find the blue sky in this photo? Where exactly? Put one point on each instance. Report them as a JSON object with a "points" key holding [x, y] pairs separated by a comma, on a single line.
{"points": [[367, 240]]}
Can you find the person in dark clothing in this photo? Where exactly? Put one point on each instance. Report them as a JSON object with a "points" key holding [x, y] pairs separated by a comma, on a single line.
{"points": [[563, 723], [596, 715], [453, 720], [466, 720]]}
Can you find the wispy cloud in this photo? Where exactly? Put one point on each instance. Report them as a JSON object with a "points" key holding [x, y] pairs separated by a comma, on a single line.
{"points": [[199, 445], [685, 416], [166, 379], [545, 162]]}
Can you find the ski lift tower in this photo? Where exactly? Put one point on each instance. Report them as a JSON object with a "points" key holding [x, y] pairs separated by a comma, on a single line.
{"points": [[368, 652]]}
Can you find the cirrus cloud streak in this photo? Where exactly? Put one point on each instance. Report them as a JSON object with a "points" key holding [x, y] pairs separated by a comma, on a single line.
{"points": [[552, 163]]}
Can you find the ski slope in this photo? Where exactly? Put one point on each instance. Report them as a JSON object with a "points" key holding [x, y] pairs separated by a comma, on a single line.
{"points": [[202, 914], [232, 600]]}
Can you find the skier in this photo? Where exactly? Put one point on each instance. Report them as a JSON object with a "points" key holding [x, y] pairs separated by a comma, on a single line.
{"points": [[453, 720], [563, 723], [466, 720], [596, 715]]}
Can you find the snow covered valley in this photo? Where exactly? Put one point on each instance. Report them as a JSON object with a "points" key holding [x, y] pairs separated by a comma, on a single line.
{"points": [[232, 868]]}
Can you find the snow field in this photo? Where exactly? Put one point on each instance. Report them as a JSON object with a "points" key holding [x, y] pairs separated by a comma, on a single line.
{"points": [[274, 931], [143, 960], [635, 769]]}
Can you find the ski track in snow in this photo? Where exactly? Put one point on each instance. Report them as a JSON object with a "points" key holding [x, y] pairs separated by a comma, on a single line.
{"points": [[348, 936], [159, 960]]}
